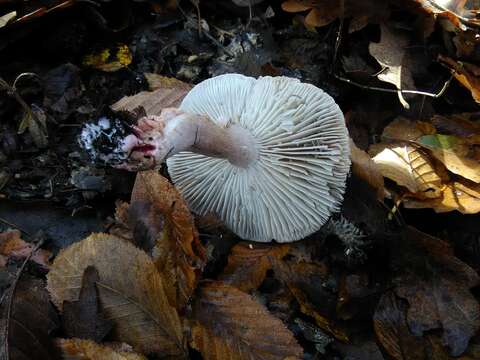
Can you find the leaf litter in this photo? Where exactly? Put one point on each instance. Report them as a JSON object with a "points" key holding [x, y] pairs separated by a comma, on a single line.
{"points": [[383, 274]]}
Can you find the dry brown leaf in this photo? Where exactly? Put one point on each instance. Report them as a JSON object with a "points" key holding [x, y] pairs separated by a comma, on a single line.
{"points": [[411, 167], [168, 92], [390, 54], [229, 324], [130, 289], [467, 74], [12, 246], [324, 12], [178, 253], [365, 168], [156, 81], [463, 197], [5, 19], [402, 129], [79, 349], [455, 153], [302, 279], [248, 264]]}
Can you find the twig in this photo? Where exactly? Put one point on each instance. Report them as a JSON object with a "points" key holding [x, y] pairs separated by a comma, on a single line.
{"points": [[376, 88], [12, 295]]}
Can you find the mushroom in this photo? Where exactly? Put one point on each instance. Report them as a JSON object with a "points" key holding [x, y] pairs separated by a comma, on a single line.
{"points": [[269, 156]]}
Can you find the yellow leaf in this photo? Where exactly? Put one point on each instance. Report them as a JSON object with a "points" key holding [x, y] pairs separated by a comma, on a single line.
{"points": [[410, 167], [5, 19], [130, 290], [109, 60]]}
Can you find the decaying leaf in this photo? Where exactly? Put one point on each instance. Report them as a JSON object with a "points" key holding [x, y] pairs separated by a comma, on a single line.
{"points": [[80, 349], [409, 166], [178, 253], [109, 60], [458, 156], [248, 264], [392, 330], [303, 280], [130, 288], [12, 246], [83, 318], [321, 13], [26, 329], [5, 19], [390, 54], [437, 287], [461, 196], [467, 74], [229, 324], [167, 93], [365, 168]]}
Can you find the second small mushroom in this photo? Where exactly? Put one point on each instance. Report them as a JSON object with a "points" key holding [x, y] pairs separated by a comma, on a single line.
{"points": [[268, 156]]}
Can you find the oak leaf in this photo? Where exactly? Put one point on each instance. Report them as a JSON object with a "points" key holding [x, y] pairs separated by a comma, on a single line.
{"points": [[178, 253], [229, 324], [81, 349], [248, 264], [130, 289]]}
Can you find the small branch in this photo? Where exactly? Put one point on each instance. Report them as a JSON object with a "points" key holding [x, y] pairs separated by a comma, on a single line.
{"points": [[376, 88]]}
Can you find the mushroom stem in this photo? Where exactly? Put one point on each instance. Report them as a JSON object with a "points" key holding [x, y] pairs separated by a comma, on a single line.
{"points": [[174, 131]]}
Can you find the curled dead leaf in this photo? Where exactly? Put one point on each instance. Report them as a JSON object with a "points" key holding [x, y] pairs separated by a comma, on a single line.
{"points": [[229, 324], [130, 289], [178, 253], [467, 74]]}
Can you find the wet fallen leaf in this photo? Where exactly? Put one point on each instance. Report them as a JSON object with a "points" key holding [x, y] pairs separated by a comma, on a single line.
{"points": [[29, 323], [411, 167], [463, 125], [83, 318], [157, 81], [178, 253], [248, 264], [80, 349], [461, 196], [467, 74], [365, 168], [390, 53], [130, 288], [458, 156], [229, 324], [12, 246], [303, 280], [437, 286], [5, 19]]}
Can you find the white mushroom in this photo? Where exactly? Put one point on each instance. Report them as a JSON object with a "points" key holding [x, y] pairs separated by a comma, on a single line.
{"points": [[269, 156]]}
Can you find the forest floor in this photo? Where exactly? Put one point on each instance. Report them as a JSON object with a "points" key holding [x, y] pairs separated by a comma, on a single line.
{"points": [[91, 271]]}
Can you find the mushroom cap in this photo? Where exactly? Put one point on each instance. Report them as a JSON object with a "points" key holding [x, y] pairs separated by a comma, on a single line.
{"points": [[298, 178]]}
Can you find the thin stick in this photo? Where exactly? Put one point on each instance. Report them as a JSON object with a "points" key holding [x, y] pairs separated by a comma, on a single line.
{"points": [[376, 88]]}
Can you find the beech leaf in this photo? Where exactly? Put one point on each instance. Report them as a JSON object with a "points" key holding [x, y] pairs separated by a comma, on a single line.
{"points": [[81, 349], [229, 324], [130, 289], [178, 253], [248, 264]]}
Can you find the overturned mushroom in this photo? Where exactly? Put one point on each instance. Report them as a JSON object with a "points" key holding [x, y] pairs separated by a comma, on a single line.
{"points": [[269, 156]]}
